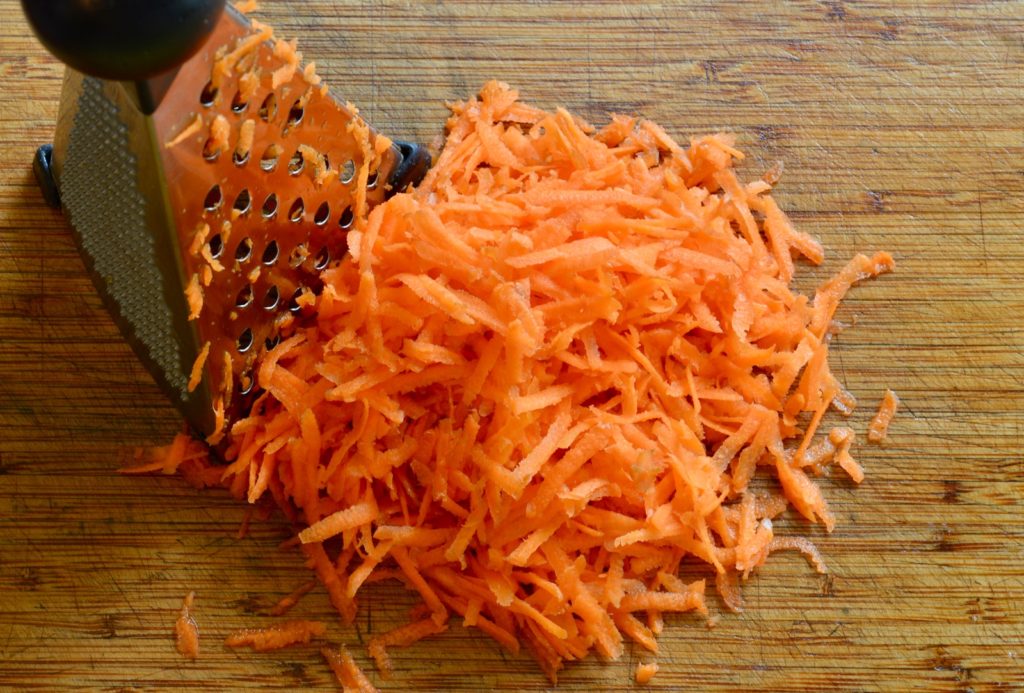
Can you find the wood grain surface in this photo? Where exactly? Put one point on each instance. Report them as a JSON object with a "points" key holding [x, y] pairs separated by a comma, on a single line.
{"points": [[901, 126]]}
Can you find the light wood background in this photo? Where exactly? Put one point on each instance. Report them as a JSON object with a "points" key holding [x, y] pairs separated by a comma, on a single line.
{"points": [[901, 126]]}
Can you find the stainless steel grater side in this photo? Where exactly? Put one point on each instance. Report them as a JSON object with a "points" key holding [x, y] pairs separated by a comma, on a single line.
{"points": [[231, 179]]}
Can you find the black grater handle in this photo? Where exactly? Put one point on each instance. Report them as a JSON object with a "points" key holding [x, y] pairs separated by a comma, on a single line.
{"points": [[125, 40]]}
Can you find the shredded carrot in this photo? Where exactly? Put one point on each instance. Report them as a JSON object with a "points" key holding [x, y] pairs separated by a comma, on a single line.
{"points": [[879, 426], [220, 132], [288, 602], [645, 672], [322, 173], [193, 127], [546, 377], [243, 527], [197, 367], [348, 673], [349, 518], [186, 631], [403, 636], [842, 439], [199, 238], [246, 133], [194, 296], [804, 546], [277, 636]]}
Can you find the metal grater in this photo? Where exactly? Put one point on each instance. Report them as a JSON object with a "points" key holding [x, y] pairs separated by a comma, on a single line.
{"points": [[158, 208]]}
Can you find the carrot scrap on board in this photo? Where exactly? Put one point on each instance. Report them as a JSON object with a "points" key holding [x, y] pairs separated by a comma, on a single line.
{"points": [[403, 636], [276, 636], [186, 631], [243, 527], [288, 602], [645, 672], [348, 673], [879, 426], [545, 378]]}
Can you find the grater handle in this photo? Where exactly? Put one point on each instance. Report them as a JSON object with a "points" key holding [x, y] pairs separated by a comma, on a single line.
{"points": [[126, 40]]}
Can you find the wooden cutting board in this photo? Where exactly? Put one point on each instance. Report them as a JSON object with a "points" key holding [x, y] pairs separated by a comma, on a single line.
{"points": [[900, 125]]}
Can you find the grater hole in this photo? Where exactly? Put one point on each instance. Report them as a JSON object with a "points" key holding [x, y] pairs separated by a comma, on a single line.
{"points": [[297, 210], [371, 181], [211, 151], [246, 383], [271, 342], [240, 159], [271, 298], [298, 256], [270, 206], [268, 162], [245, 296], [271, 253], [295, 114], [296, 163], [268, 109], [245, 340], [216, 245], [346, 218], [347, 172], [237, 104], [323, 213], [322, 259], [293, 304], [244, 250], [208, 95], [243, 203], [213, 200]]}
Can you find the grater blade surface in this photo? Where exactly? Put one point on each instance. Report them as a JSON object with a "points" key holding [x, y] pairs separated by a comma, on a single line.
{"points": [[226, 203], [109, 214]]}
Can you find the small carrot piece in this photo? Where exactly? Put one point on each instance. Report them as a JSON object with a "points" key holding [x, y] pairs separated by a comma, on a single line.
{"points": [[186, 631], [197, 367], [349, 518], [403, 636], [289, 601], [348, 673], [879, 426], [645, 672], [194, 297], [277, 636], [193, 127]]}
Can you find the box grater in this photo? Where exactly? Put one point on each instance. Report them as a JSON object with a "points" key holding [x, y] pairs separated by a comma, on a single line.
{"points": [[230, 178]]}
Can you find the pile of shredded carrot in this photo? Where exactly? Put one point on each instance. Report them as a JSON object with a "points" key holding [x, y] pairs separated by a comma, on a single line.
{"points": [[543, 380]]}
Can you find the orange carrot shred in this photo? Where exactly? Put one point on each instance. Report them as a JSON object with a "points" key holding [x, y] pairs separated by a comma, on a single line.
{"points": [[186, 630], [403, 636], [197, 367], [879, 426], [247, 6], [346, 519], [276, 636], [194, 296], [289, 601], [645, 672], [193, 127], [348, 673]]}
